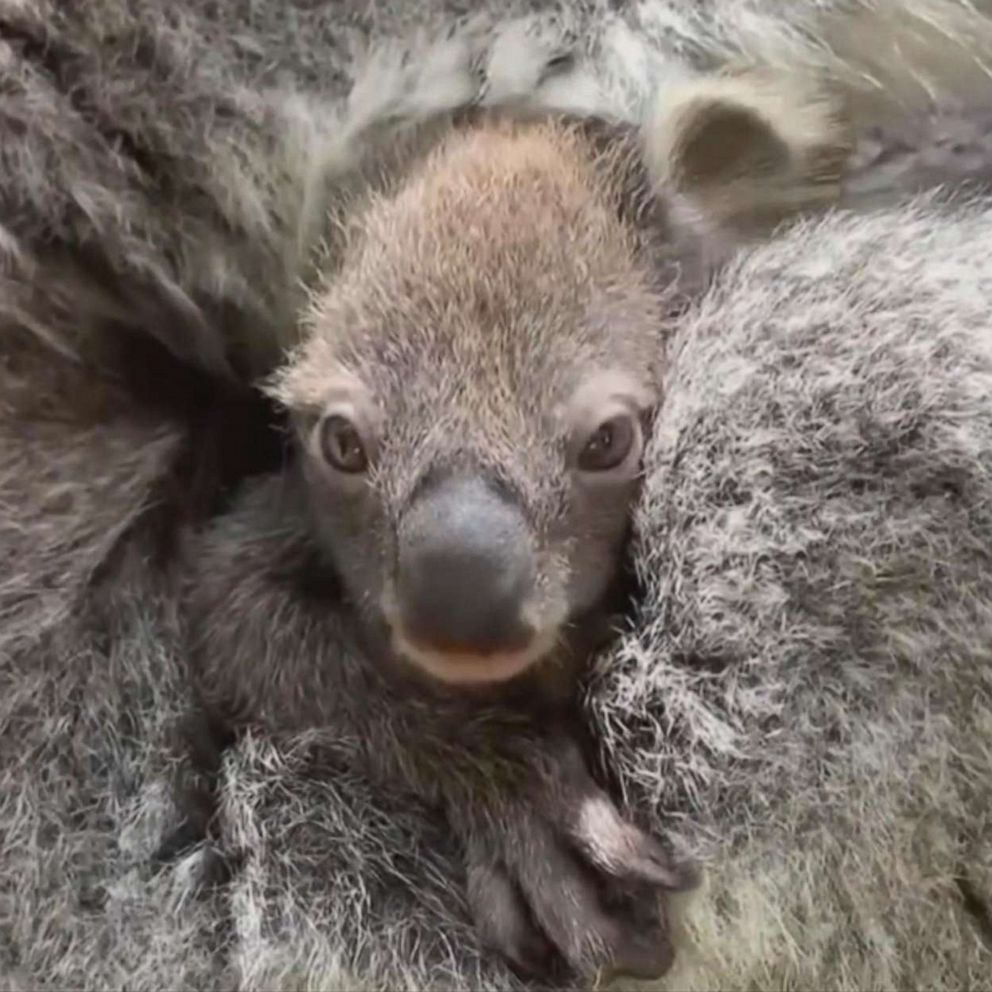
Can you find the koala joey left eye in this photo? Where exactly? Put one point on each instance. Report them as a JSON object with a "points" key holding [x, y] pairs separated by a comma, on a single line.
{"points": [[342, 445], [609, 445]]}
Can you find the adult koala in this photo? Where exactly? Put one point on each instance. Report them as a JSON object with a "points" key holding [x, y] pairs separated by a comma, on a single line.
{"points": [[339, 882]]}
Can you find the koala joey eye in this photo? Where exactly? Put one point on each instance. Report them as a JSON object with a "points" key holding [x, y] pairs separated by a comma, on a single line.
{"points": [[342, 445], [605, 419], [609, 444]]}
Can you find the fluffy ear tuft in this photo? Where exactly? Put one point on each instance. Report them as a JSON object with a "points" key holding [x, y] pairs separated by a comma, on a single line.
{"points": [[744, 150]]}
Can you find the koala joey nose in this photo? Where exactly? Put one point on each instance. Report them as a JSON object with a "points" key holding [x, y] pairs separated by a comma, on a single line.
{"points": [[465, 571]]}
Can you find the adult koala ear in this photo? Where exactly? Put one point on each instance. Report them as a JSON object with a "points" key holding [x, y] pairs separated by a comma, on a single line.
{"points": [[733, 155]]}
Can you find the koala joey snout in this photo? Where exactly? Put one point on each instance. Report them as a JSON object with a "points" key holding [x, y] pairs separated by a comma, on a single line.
{"points": [[465, 576]]}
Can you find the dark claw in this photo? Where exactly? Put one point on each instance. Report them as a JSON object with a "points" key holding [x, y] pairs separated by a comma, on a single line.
{"points": [[643, 956]]}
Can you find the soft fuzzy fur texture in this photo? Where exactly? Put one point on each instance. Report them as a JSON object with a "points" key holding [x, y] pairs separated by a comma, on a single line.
{"points": [[171, 167], [804, 693], [809, 678]]}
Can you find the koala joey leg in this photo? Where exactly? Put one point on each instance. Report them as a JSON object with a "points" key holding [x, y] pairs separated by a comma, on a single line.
{"points": [[551, 865]]}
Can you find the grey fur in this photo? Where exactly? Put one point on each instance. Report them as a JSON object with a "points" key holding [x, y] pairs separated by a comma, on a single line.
{"points": [[814, 546], [192, 155], [850, 484]]}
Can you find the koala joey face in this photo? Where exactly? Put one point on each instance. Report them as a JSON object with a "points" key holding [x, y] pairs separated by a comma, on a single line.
{"points": [[477, 556], [472, 403]]}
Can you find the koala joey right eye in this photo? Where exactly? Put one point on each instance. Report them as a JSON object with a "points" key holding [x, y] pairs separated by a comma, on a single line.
{"points": [[604, 418], [342, 445], [609, 445]]}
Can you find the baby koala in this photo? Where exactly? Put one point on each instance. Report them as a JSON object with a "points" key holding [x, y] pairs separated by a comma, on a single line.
{"points": [[470, 405]]}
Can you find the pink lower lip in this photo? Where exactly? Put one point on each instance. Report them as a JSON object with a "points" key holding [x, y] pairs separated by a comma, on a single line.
{"points": [[468, 667], [449, 663], [466, 652], [476, 670]]}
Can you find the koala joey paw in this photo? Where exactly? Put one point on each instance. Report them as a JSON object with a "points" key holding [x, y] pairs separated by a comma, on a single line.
{"points": [[559, 877]]}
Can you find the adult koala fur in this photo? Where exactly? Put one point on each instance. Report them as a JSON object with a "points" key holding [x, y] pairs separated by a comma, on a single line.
{"points": [[803, 692]]}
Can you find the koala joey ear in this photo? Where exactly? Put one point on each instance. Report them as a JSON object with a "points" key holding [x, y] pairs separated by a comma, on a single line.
{"points": [[734, 154]]}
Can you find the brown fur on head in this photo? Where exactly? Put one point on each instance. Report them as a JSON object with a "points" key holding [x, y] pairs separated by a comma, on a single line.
{"points": [[479, 374]]}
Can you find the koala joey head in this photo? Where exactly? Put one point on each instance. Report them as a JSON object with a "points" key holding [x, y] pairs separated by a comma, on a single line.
{"points": [[478, 376]]}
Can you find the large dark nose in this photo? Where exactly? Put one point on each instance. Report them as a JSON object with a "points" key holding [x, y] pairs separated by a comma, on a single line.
{"points": [[465, 569]]}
